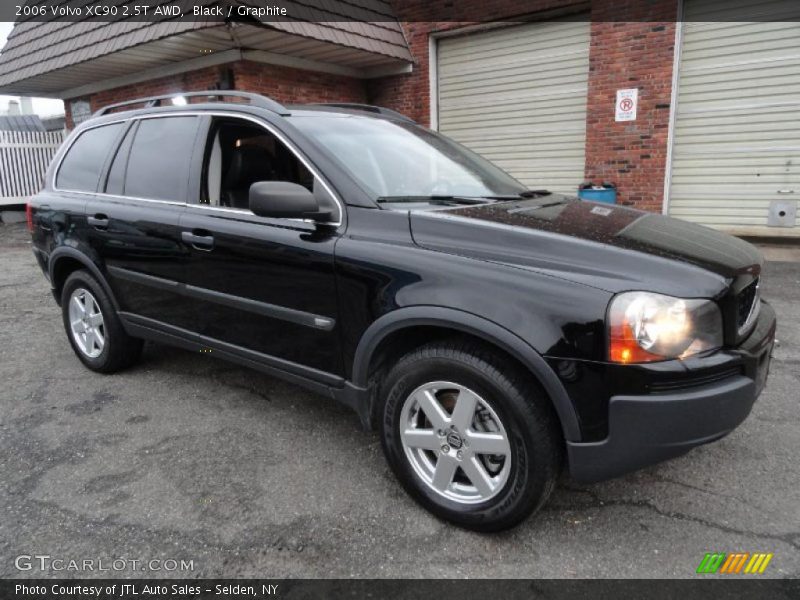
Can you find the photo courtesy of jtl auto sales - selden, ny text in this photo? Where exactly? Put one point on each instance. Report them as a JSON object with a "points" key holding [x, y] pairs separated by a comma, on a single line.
{"points": [[399, 299]]}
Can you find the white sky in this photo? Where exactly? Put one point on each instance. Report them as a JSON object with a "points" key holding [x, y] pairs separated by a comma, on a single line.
{"points": [[44, 107]]}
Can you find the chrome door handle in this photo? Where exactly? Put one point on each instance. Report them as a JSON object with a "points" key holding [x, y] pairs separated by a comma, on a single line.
{"points": [[201, 242], [786, 191], [98, 221]]}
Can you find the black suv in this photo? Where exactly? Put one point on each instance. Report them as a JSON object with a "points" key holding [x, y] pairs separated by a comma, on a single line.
{"points": [[491, 333]]}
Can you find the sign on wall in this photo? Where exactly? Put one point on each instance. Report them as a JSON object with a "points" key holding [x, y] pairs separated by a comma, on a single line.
{"points": [[626, 104], [80, 110]]}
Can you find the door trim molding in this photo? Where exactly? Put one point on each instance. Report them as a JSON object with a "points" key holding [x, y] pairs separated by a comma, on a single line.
{"points": [[152, 329], [239, 302]]}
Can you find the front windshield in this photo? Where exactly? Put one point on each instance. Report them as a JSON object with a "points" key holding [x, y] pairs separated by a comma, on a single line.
{"points": [[393, 159]]}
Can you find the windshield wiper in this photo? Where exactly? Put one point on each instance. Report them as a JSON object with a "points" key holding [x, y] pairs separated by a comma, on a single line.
{"points": [[535, 193], [525, 194], [443, 200]]}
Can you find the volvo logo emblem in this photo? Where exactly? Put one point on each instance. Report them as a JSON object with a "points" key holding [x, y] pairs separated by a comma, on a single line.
{"points": [[454, 440]]}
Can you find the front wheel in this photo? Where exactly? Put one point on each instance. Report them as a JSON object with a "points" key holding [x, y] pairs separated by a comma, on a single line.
{"points": [[470, 437]]}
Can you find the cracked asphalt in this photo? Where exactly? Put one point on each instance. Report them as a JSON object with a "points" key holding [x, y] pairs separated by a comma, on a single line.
{"points": [[185, 457]]}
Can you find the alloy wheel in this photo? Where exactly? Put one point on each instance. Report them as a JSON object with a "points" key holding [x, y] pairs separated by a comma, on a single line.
{"points": [[86, 323], [455, 442]]}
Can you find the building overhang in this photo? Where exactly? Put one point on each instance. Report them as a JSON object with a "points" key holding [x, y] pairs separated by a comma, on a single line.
{"points": [[162, 49]]}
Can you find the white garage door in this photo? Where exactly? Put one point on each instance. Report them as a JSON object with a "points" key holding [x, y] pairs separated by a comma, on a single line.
{"points": [[517, 96], [736, 145]]}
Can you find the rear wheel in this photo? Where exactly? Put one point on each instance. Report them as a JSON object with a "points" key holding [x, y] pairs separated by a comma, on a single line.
{"points": [[93, 327], [470, 438]]}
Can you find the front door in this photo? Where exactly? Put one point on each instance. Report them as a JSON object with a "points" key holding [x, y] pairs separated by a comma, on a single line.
{"points": [[262, 288]]}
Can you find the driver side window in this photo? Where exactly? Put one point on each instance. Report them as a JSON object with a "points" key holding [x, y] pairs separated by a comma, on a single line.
{"points": [[239, 154]]}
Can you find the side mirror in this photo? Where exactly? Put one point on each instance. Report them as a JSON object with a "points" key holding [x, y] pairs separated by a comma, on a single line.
{"points": [[285, 200]]}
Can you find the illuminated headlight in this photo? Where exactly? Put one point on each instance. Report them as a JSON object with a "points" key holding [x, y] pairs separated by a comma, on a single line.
{"points": [[647, 327]]}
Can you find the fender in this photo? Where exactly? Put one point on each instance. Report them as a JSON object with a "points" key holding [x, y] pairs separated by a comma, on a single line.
{"points": [[479, 327], [62, 252]]}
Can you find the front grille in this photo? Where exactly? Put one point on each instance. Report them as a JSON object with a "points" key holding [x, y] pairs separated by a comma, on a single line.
{"points": [[671, 385], [745, 306]]}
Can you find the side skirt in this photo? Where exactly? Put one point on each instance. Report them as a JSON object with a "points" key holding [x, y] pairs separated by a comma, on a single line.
{"points": [[320, 382]]}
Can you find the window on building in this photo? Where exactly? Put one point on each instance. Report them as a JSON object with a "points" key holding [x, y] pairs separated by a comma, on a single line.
{"points": [[81, 167]]}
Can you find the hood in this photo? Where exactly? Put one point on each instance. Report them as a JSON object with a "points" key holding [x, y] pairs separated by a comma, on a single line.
{"points": [[606, 246]]}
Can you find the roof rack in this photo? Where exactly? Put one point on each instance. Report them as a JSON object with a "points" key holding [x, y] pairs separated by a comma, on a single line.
{"points": [[388, 112], [255, 100]]}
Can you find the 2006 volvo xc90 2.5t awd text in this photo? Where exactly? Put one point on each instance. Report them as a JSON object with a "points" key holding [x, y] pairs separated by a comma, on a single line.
{"points": [[491, 333]]}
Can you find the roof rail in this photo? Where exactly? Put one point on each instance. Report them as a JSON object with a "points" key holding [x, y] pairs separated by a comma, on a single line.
{"points": [[367, 108], [255, 100]]}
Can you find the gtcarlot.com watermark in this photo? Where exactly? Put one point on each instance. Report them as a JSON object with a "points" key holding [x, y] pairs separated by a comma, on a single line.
{"points": [[45, 562]]}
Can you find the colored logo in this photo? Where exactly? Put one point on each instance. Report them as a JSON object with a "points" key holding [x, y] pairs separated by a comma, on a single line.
{"points": [[734, 563]]}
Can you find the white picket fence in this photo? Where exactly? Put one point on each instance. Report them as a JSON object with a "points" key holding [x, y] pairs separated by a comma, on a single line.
{"points": [[24, 157]]}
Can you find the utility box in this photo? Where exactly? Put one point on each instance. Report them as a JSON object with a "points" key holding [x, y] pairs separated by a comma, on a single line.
{"points": [[782, 213]]}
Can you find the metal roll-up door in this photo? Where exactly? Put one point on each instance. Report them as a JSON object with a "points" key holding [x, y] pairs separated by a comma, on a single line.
{"points": [[736, 139], [517, 95]]}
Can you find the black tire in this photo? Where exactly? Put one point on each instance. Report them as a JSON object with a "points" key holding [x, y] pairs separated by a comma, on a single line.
{"points": [[536, 444], [119, 349]]}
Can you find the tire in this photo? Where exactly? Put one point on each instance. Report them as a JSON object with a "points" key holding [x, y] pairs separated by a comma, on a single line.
{"points": [[512, 485], [100, 342]]}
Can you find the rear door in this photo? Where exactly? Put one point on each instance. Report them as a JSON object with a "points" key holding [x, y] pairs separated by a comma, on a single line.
{"points": [[262, 288], [133, 220]]}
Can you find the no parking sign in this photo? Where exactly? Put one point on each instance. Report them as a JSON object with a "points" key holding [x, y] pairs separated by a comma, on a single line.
{"points": [[626, 104]]}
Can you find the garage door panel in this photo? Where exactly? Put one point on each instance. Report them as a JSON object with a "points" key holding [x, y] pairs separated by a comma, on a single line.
{"points": [[744, 10], [534, 39], [517, 95], [528, 75], [736, 138], [729, 79], [488, 64]]}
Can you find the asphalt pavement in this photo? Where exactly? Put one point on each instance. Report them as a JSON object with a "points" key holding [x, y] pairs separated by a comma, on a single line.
{"points": [[184, 457]]}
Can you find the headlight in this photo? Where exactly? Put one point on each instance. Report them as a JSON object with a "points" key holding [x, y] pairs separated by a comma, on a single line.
{"points": [[646, 327]]}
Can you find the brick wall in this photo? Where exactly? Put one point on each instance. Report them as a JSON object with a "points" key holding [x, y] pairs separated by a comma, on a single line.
{"points": [[635, 54], [281, 83], [632, 45]]}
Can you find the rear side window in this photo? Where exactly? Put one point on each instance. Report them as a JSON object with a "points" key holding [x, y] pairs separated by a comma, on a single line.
{"points": [[81, 167], [115, 182], [160, 157]]}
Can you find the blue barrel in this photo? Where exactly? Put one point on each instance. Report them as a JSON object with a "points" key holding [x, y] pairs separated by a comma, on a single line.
{"points": [[598, 193]]}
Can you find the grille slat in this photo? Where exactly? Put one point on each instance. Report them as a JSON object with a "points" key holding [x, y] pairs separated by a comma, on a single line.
{"points": [[697, 380]]}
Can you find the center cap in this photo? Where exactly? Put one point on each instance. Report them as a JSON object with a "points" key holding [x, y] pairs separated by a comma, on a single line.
{"points": [[454, 440]]}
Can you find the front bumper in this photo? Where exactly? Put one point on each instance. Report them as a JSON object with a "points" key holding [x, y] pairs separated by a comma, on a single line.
{"points": [[646, 429]]}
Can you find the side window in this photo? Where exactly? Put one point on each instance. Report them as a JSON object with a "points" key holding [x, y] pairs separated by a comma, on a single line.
{"points": [[81, 167], [115, 181], [240, 153], [160, 157]]}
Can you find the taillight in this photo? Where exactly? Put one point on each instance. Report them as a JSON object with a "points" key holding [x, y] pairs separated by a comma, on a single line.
{"points": [[29, 216]]}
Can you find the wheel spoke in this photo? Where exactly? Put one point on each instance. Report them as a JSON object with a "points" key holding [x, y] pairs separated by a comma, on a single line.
{"points": [[443, 474], [80, 306], [432, 409], [488, 443], [421, 438], [99, 337], [474, 470], [96, 319], [464, 410], [76, 325], [89, 340]]}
